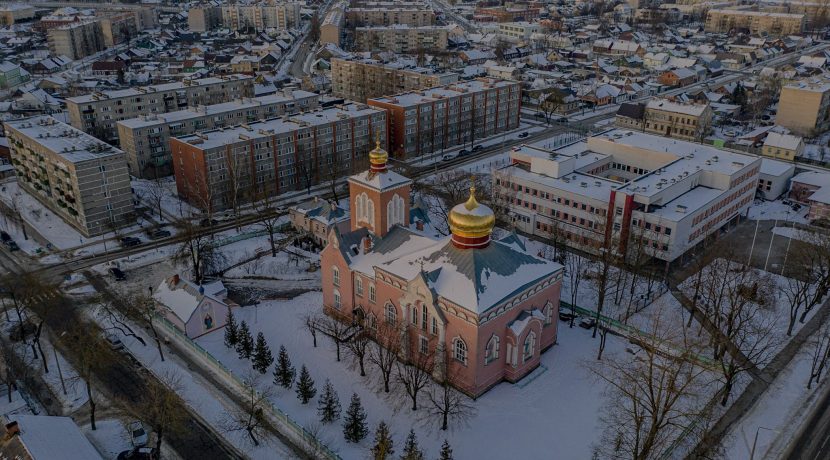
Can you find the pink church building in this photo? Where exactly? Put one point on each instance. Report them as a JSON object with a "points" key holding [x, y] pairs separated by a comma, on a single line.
{"points": [[485, 309]]}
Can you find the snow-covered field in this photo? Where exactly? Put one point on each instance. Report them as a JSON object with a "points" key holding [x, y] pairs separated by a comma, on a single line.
{"points": [[563, 401]]}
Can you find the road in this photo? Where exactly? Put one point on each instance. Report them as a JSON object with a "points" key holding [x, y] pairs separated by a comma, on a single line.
{"points": [[813, 443]]}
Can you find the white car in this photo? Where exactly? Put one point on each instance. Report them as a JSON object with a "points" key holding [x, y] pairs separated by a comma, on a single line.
{"points": [[449, 156], [138, 435]]}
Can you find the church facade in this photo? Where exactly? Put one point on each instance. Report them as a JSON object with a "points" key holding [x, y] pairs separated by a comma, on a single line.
{"points": [[476, 310]]}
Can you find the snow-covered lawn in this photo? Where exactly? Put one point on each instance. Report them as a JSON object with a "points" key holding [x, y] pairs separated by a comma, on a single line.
{"points": [[796, 234], [290, 264], [777, 210], [147, 191], [110, 437], [553, 416]]}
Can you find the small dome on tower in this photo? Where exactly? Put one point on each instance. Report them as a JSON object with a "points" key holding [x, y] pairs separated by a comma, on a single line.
{"points": [[471, 223], [378, 157]]}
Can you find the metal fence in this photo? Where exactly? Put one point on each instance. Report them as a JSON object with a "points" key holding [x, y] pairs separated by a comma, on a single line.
{"points": [[304, 439]]}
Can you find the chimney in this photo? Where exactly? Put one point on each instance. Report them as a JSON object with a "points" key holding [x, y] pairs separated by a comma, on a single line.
{"points": [[175, 280], [367, 244], [12, 430], [419, 225]]}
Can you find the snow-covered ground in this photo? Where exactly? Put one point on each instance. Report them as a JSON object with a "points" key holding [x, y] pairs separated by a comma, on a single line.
{"points": [[147, 191], [499, 139], [563, 395], [777, 210], [110, 437], [795, 233]]}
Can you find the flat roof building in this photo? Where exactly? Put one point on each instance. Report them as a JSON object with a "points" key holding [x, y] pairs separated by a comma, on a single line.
{"points": [[78, 177], [362, 79]]}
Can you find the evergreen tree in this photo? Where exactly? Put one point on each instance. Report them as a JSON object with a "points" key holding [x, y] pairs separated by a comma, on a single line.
{"points": [[384, 447], [305, 386], [283, 371], [411, 451], [262, 354], [245, 345], [354, 423], [231, 331], [328, 406], [446, 451]]}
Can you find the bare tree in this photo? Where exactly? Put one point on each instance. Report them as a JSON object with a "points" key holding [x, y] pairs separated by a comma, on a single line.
{"points": [[550, 102], [310, 324], [198, 251], [651, 398], [90, 355], [820, 355], [250, 415], [161, 408], [155, 194], [336, 327], [417, 374], [576, 266], [358, 348], [601, 279], [269, 218], [447, 406], [384, 354]]}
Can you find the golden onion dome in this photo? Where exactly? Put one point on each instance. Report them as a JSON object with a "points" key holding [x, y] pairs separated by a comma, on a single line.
{"points": [[378, 156], [472, 219]]}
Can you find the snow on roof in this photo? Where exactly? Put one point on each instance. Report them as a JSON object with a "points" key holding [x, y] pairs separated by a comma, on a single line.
{"points": [[54, 438], [520, 323], [141, 91], [385, 180], [782, 141], [770, 167], [183, 297], [71, 144], [475, 279]]}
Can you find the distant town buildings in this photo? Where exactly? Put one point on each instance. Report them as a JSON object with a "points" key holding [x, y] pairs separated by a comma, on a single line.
{"points": [[681, 120], [401, 38], [81, 179], [362, 79], [804, 106], [385, 13], [331, 28], [243, 17], [754, 22], [435, 119], [782, 146], [13, 13]]}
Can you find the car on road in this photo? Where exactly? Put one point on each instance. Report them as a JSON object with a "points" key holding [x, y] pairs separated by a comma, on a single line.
{"points": [[587, 323], [463, 152], [138, 435], [208, 222], [117, 274], [524, 135], [115, 343], [158, 234], [478, 148], [562, 119], [449, 156], [281, 210], [138, 453], [130, 241]]}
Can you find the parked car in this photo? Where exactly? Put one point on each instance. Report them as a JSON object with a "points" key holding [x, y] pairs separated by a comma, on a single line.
{"points": [[524, 135], [562, 119], [138, 435], [463, 152], [138, 453], [12, 245], [115, 343], [448, 156], [130, 241], [5, 236], [281, 210], [566, 314], [117, 274], [587, 323], [208, 222], [478, 148], [160, 234]]}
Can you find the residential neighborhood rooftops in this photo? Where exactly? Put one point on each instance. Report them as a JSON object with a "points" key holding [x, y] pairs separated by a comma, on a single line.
{"points": [[143, 90], [70, 143]]}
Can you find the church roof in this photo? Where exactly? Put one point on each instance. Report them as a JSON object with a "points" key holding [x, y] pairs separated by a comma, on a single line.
{"points": [[475, 279], [380, 181]]}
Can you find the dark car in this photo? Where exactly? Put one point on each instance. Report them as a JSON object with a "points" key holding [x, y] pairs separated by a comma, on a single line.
{"points": [[160, 234], [587, 323], [524, 135], [208, 222], [12, 245], [463, 152], [129, 241], [117, 274], [138, 453], [566, 314], [478, 148], [5, 236]]}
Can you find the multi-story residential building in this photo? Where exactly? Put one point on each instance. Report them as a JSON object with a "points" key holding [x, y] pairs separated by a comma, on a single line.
{"points": [[504, 14], [680, 120], [628, 191], [146, 139], [389, 13], [518, 32], [203, 18], [223, 168], [15, 12], [782, 146], [98, 112], [754, 22], [434, 119], [76, 40], [261, 16], [362, 79], [78, 177], [804, 107], [331, 29], [118, 28], [401, 38]]}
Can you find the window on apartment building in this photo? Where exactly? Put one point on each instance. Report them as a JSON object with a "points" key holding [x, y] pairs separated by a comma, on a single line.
{"points": [[668, 231]]}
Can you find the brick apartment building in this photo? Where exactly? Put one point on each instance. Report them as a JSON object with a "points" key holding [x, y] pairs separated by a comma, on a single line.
{"points": [[359, 80], [431, 120], [401, 38]]}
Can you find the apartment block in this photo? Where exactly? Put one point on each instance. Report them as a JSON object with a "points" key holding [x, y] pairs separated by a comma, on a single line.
{"points": [[204, 18], [434, 119], [389, 13], [628, 191], [680, 120], [223, 168], [146, 139], [518, 32], [97, 113], [804, 107], [78, 177], [261, 16], [401, 38], [14, 13], [754, 22], [331, 29], [505, 14], [76, 40], [363, 79], [118, 28]]}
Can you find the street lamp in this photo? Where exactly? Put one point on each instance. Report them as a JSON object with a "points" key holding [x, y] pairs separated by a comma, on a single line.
{"points": [[755, 442]]}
